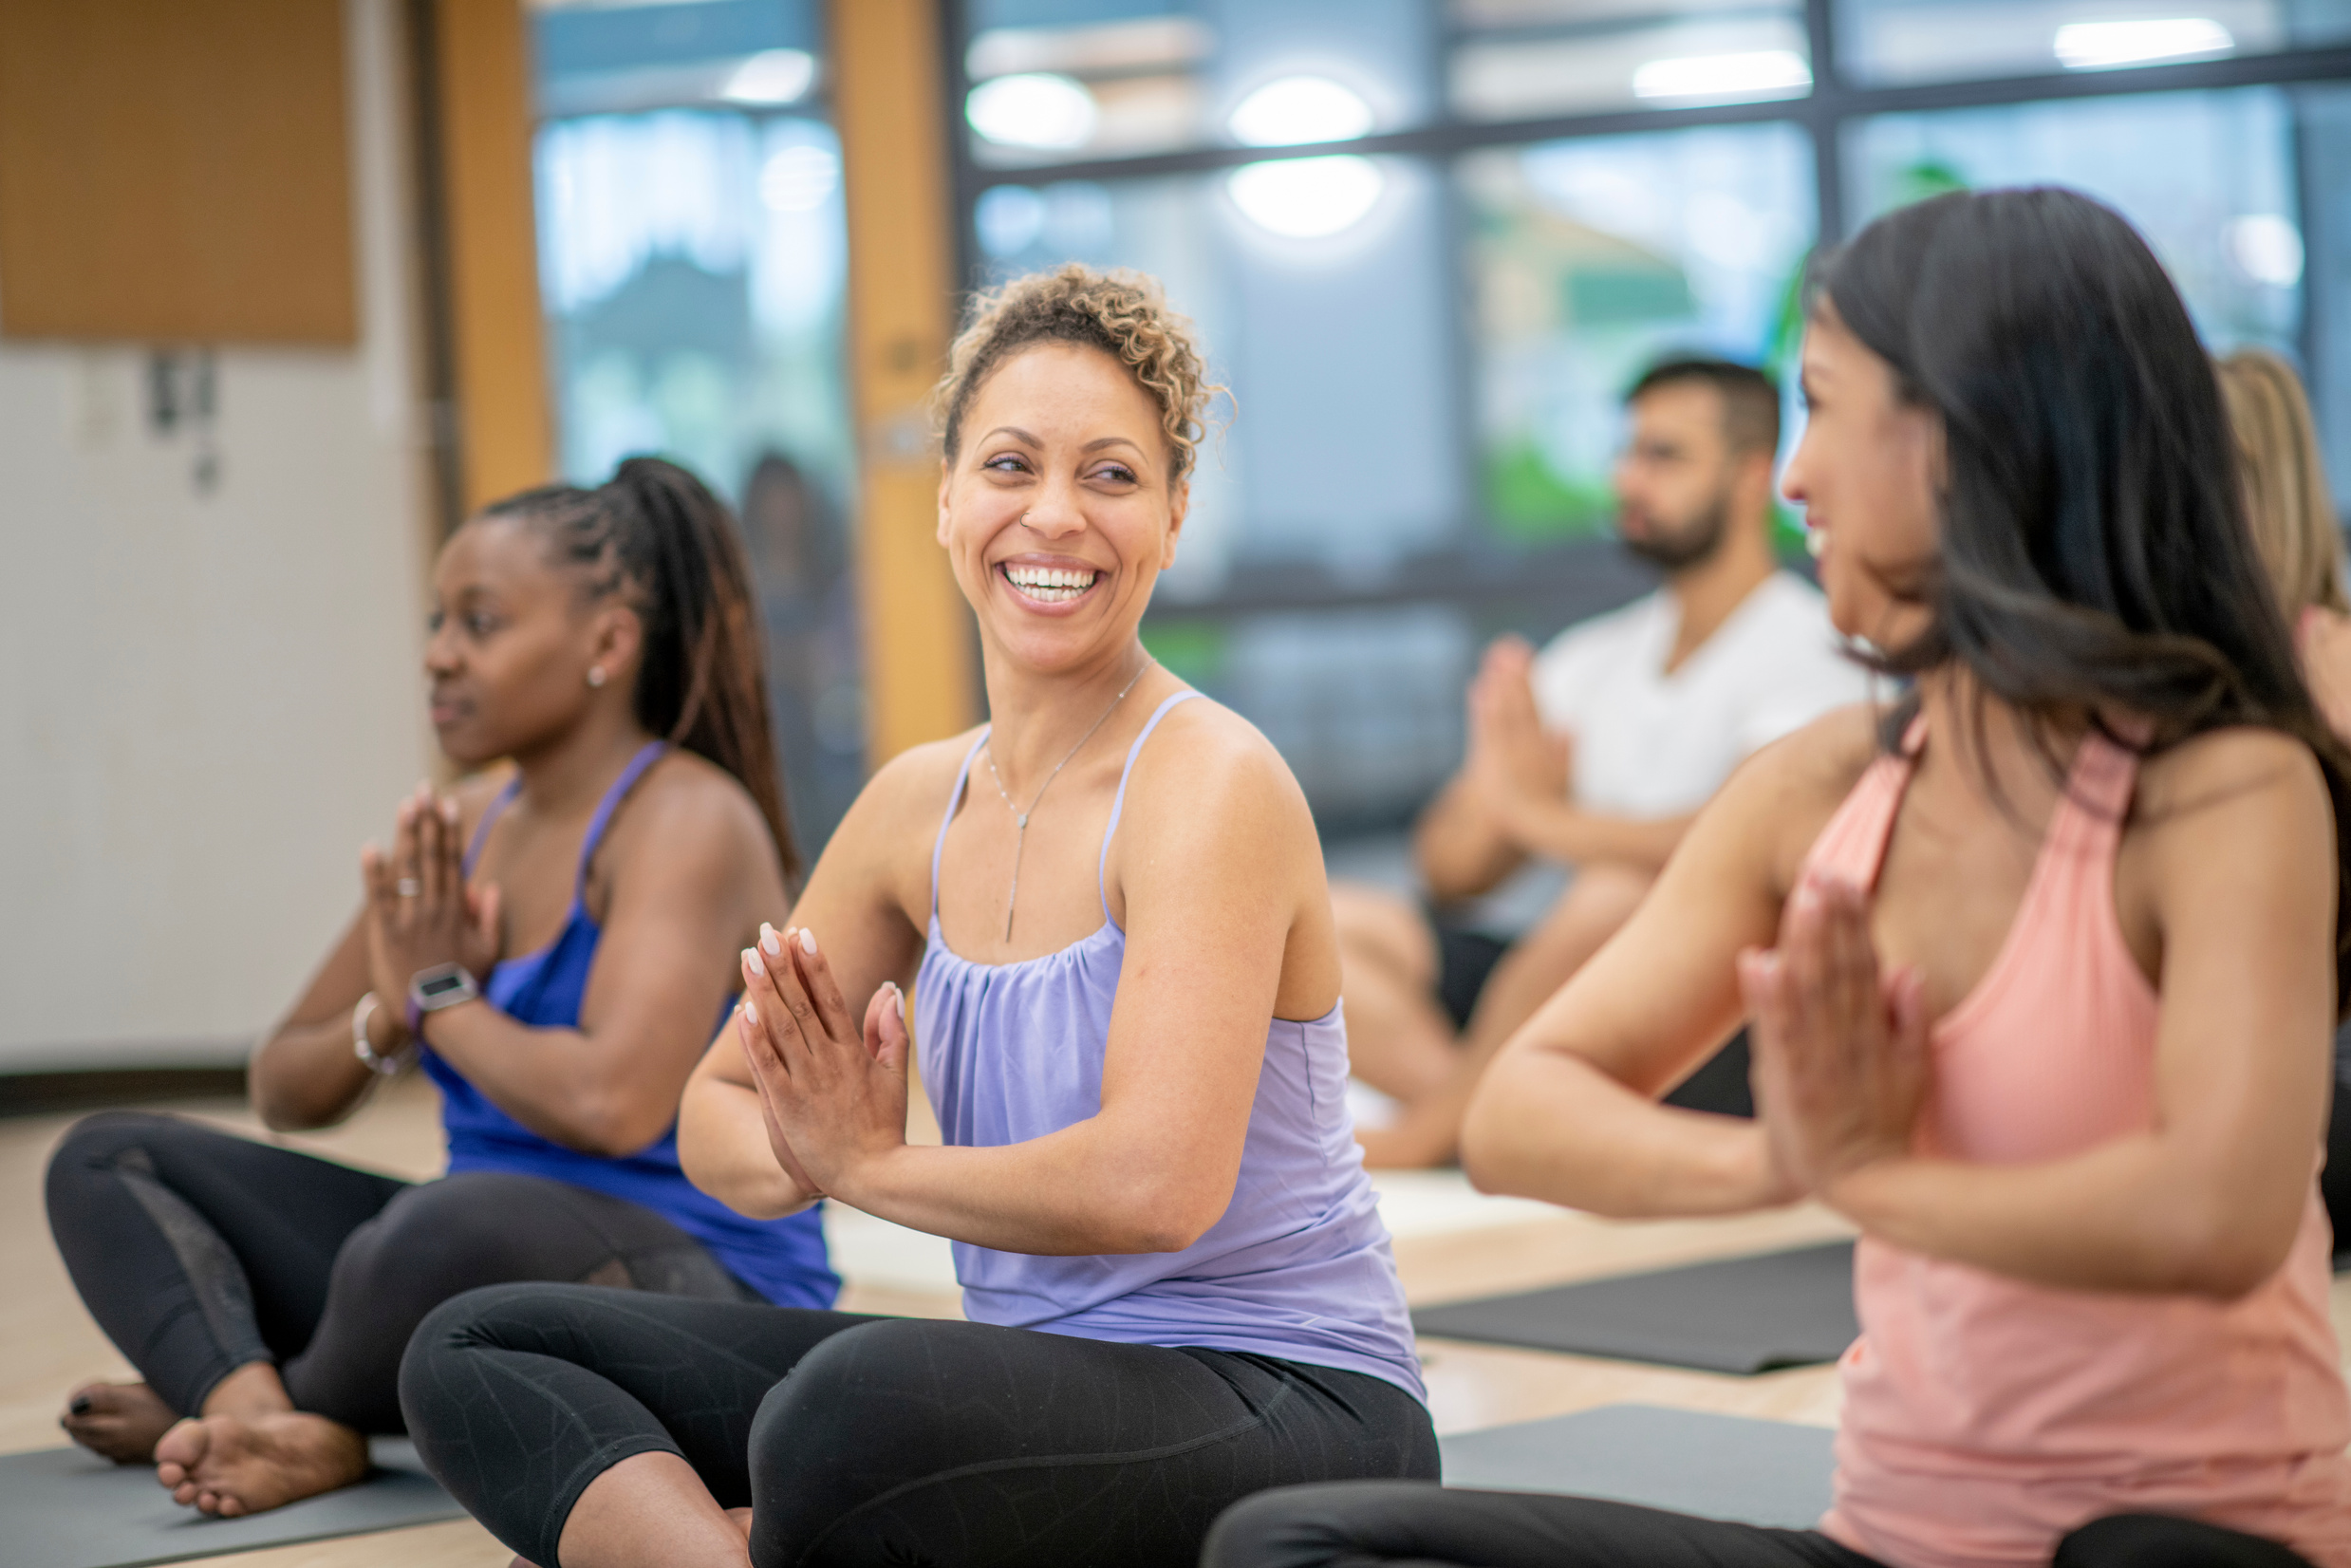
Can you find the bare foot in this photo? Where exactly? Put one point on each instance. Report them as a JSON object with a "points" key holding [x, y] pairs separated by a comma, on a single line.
{"points": [[232, 1464], [119, 1420]]}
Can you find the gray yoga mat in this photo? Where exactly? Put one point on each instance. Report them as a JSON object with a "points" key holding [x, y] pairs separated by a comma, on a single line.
{"points": [[68, 1508], [1722, 1466], [1744, 1314]]}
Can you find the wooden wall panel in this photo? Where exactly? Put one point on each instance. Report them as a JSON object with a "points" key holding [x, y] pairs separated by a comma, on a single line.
{"points": [[175, 172], [481, 94], [919, 647]]}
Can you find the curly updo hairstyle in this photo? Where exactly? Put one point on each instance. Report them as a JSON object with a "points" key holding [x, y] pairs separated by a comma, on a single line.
{"points": [[1123, 314]]}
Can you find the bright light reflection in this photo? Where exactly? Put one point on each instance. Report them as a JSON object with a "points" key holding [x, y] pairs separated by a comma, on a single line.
{"points": [[1033, 109], [1300, 109], [772, 76], [2266, 248], [1724, 78], [2096, 45], [1307, 197], [799, 178]]}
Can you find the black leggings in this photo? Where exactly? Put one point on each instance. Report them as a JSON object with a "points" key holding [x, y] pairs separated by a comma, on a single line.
{"points": [[1395, 1524], [199, 1253], [880, 1441]]}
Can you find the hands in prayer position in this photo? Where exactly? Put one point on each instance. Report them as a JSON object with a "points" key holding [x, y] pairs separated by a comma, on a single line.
{"points": [[832, 1094], [420, 911]]}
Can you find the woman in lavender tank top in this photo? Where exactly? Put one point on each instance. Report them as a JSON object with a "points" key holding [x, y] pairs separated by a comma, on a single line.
{"points": [[1111, 906]]}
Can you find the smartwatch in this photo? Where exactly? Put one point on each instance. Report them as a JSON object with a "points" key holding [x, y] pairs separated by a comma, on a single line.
{"points": [[430, 990]]}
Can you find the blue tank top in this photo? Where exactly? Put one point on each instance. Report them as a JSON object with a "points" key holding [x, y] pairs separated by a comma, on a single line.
{"points": [[1299, 1265], [783, 1260]]}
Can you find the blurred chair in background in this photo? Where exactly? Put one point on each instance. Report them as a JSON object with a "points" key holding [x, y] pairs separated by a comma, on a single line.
{"points": [[1596, 754]]}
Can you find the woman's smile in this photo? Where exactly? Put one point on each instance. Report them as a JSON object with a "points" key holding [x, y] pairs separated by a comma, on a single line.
{"points": [[1052, 584]]}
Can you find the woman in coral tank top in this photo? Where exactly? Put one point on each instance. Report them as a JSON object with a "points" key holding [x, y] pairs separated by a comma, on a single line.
{"points": [[2041, 967]]}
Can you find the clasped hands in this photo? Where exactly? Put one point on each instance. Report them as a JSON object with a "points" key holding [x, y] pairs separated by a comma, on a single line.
{"points": [[421, 912], [832, 1092], [1513, 762], [1841, 1047]]}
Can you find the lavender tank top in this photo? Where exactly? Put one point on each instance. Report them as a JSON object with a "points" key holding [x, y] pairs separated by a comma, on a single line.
{"points": [[1299, 1266]]}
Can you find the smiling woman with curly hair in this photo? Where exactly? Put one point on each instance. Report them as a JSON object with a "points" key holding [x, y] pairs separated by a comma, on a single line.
{"points": [[1178, 1287]]}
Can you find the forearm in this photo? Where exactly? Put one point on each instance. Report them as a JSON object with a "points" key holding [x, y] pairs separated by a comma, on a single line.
{"points": [[1549, 1125], [722, 1145], [307, 1075], [1560, 831], [556, 1082], [1078, 1192], [2121, 1217], [1461, 851]]}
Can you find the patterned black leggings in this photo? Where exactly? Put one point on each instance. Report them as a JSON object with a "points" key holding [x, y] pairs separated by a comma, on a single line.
{"points": [[893, 1441], [1400, 1526]]}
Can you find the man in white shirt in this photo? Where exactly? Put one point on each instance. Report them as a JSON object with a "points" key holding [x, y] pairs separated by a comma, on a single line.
{"points": [[1594, 754]]}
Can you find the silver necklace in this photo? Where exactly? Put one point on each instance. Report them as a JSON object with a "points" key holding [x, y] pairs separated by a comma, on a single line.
{"points": [[1020, 818]]}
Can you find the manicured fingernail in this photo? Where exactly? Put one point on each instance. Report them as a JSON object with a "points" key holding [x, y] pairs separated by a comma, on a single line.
{"points": [[768, 940], [808, 942], [751, 957], [81, 1405], [898, 1000], [750, 1012]]}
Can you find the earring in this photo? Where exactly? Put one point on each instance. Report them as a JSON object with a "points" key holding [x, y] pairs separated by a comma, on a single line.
{"points": [[595, 675]]}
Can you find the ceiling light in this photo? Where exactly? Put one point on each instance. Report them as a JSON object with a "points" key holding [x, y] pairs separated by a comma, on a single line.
{"points": [[1297, 110], [772, 76], [2096, 45], [2266, 248], [1306, 197], [1032, 109], [1724, 78], [799, 179]]}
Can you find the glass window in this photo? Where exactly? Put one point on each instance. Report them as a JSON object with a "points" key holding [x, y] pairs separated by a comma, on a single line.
{"points": [[693, 268], [1590, 258], [2208, 178], [1524, 59], [1884, 43], [1061, 81]]}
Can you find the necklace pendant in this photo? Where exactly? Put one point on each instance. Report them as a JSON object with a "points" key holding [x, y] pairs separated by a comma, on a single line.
{"points": [[1021, 822]]}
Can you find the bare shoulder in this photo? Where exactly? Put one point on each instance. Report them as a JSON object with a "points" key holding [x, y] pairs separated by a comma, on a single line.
{"points": [[2222, 773], [687, 807], [1776, 802], [1206, 759], [908, 793]]}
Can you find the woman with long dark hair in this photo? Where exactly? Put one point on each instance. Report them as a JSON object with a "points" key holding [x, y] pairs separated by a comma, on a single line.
{"points": [[2040, 969], [556, 949]]}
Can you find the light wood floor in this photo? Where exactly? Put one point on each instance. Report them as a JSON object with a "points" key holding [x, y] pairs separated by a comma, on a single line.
{"points": [[48, 1343]]}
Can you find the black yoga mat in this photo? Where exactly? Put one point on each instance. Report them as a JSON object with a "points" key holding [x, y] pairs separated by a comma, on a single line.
{"points": [[1745, 1314], [68, 1508], [1721, 1466]]}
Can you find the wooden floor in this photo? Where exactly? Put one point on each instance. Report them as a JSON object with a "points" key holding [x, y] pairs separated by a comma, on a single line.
{"points": [[48, 1343]]}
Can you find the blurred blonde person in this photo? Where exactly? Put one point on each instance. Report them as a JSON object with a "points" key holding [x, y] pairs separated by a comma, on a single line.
{"points": [[2292, 511]]}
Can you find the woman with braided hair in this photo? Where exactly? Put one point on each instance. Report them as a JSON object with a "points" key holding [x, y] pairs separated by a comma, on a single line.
{"points": [[1177, 1286], [554, 947]]}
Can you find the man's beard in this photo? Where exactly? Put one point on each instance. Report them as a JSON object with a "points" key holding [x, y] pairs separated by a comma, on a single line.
{"points": [[1690, 546]]}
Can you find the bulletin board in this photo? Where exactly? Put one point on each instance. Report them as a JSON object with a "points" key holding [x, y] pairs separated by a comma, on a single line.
{"points": [[176, 171]]}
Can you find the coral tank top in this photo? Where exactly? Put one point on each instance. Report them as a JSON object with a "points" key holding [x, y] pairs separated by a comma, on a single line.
{"points": [[1985, 1417]]}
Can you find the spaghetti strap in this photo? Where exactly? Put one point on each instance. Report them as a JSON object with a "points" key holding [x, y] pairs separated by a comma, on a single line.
{"points": [[496, 809], [647, 756], [963, 777], [1102, 869]]}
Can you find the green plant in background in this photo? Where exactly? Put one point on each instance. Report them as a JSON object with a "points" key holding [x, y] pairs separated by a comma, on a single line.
{"points": [[1531, 502], [1194, 651]]}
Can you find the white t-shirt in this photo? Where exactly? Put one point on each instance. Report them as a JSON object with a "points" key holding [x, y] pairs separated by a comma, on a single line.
{"points": [[1649, 745]]}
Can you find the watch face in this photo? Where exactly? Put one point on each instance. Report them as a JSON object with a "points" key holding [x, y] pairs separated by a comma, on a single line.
{"points": [[440, 985]]}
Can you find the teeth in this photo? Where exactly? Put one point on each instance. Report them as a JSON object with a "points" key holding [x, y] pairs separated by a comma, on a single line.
{"points": [[1052, 585]]}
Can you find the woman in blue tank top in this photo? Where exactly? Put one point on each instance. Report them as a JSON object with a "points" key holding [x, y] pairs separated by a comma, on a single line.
{"points": [[1111, 906], [556, 952]]}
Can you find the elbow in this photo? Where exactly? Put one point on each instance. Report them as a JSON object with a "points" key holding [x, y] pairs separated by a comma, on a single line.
{"points": [[614, 1126], [1170, 1221], [2213, 1252]]}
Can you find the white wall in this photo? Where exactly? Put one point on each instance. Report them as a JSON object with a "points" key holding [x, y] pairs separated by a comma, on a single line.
{"points": [[207, 702]]}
